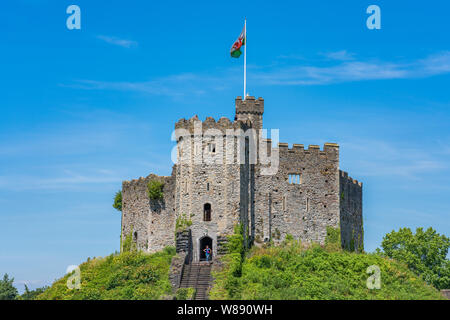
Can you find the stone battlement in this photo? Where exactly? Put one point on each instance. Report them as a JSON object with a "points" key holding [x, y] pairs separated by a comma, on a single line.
{"points": [[312, 147], [345, 175], [283, 147], [140, 180], [249, 105], [222, 124]]}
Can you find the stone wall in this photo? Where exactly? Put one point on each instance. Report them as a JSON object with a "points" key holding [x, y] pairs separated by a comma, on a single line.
{"points": [[305, 208], [135, 211], [176, 270], [351, 220], [183, 245], [151, 222]]}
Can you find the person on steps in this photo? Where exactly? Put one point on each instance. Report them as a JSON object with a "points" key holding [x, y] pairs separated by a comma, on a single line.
{"points": [[207, 251]]}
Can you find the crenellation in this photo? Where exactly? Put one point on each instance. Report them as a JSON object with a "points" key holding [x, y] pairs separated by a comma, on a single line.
{"points": [[250, 105], [300, 148], [345, 175], [192, 126]]}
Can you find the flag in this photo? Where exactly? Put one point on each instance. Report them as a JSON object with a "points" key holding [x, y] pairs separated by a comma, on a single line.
{"points": [[236, 48]]}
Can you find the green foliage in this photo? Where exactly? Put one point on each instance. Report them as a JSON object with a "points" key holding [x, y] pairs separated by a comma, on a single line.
{"points": [[185, 294], [333, 238], [118, 201], [182, 223], [229, 277], [171, 251], [424, 253], [155, 190], [235, 243], [292, 272], [128, 245], [7, 289], [288, 240], [32, 294], [125, 276]]}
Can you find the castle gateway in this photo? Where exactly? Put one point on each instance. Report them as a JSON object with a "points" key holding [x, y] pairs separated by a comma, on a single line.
{"points": [[226, 173]]}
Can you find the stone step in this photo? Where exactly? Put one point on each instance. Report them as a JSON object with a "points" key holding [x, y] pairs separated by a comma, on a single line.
{"points": [[197, 275]]}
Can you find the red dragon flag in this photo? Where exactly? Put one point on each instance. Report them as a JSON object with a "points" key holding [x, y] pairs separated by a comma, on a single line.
{"points": [[236, 48]]}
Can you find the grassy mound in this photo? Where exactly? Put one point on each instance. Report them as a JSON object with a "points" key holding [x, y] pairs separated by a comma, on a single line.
{"points": [[292, 272], [129, 275]]}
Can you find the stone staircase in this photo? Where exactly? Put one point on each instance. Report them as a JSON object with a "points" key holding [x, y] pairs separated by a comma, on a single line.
{"points": [[197, 275]]}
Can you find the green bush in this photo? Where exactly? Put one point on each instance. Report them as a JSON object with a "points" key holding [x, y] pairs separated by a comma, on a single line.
{"points": [[229, 278], [292, 272], [118, 201], [155, 190], [185, 294], [129, 275], [182, 223], [333, 238]]}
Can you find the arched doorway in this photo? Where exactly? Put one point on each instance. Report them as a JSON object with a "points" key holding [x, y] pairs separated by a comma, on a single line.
{"points": [[205, 241]]}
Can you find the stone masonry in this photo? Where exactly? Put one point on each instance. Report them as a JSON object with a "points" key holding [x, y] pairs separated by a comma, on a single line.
{"points": [[219, 180]]}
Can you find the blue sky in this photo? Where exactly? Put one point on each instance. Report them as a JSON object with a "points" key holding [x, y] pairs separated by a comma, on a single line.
{"points": [[83, 110]]}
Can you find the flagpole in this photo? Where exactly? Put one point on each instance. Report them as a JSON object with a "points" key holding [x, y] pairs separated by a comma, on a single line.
{"points": [[245, 58]]}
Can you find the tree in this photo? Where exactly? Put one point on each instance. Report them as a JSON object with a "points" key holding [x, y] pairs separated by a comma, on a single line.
{"points": [[118, 201], [425, 253], [32, 294], [7, 289]]}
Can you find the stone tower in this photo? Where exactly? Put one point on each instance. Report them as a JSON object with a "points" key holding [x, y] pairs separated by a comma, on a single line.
{"points": [[218, 182], [250, 111]]}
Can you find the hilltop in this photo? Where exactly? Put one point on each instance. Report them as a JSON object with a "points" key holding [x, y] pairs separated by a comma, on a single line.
{"points": [[290, 271], [293, 272], [125, 276]]}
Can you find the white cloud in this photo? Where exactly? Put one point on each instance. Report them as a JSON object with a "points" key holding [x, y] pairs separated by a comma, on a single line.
{"points": [[381, 158], [66, 180], [117, 41], [342, 55], [349, 71], [340, 69], [172, 86]]}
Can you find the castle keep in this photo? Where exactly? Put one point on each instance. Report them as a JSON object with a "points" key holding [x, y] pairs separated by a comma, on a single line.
{"points": [[227, 173]]}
